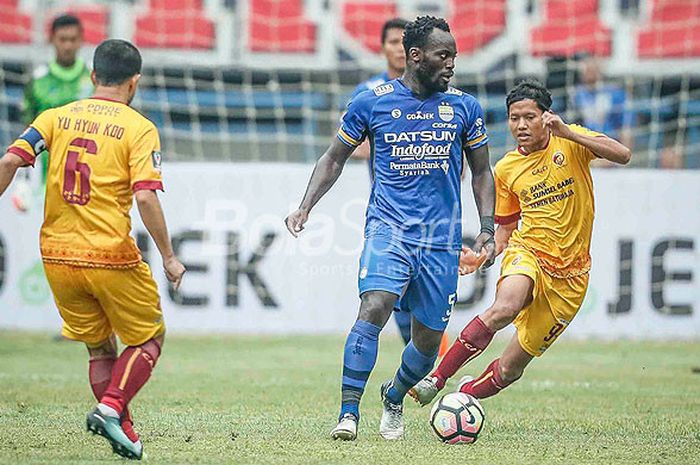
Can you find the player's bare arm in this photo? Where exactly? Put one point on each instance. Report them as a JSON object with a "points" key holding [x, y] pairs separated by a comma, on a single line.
{"points": [[603, 146], [326, 172], [469, 261], [154, 220], [362, 151], [9, 164], [484, 189]]}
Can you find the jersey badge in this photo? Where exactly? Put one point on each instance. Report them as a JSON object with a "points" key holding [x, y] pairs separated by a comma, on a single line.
{"points": [[383, 89], [446, 112], [157, 160], [559, 159]]}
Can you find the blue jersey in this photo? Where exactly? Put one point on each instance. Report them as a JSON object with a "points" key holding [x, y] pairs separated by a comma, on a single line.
{"points": [[370, 84], [416, 159]]}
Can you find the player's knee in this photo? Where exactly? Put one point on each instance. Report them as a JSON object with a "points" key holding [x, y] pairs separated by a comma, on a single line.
{"points": [[376, 307], [104, 350], [500, 315]]}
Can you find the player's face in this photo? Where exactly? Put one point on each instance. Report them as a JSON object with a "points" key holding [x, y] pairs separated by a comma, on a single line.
{"points": [[393, 50], [436, 66], [526, 125], [67, 41]]}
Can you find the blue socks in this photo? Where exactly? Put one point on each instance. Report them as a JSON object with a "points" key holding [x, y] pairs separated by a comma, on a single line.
{"points": [[360, 355], [403, 321], [414, 367]]}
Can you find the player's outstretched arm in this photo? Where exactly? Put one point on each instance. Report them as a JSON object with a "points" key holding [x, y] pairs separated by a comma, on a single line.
{"points": [[469, 261], [326, 172], [603, 147], [484, 189], [9, 164], [154, 220]]}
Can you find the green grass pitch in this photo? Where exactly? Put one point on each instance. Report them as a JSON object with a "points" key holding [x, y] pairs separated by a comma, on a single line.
{"points": [[273, 400]]}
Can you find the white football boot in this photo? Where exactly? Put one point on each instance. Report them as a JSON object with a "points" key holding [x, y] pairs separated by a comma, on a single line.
{"points": [[346, 430], [391, 424]]}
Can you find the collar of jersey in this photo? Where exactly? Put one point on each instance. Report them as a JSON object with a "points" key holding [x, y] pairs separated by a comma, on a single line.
{"points": [[70, 73]]}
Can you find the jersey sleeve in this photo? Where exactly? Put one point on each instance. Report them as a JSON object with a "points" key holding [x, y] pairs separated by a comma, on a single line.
{"points": [[35, 139], [579, 149], [475, 131], [507, 203], [355, 123], [145, 161]]}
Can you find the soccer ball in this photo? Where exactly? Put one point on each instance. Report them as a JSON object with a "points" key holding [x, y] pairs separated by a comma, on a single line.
{"points": [[457, 418]]}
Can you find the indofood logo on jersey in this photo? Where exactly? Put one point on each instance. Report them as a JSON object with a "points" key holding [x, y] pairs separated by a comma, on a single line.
{"points": [[446, 112], [417, 145]]}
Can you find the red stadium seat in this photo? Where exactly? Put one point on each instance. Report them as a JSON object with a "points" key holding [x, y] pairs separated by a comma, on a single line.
{"points": [[673, 32], [475, 23], [15, 27], [364, 21], [175, 24], [570, 28], [95, 19], [280, 26]]}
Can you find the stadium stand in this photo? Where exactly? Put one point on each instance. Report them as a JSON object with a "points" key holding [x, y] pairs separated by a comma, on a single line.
{"points": [[364, 21], [569, 28], [475, 23], [280, 26], [673, 30], [178, 24], [15, 26], [209, 104]]}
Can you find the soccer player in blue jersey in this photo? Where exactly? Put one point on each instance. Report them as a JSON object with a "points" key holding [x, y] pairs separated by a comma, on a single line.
{"points": [[392, 48], [420, 131]]}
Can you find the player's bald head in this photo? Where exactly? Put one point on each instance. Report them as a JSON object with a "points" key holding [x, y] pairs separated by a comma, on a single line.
{"points": [[115, 61], [530, 89]]}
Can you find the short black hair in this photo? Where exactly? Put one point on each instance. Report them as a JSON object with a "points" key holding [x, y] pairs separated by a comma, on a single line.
{"points": [[417, 31], [115, 61], [65, 20], [395, 23], [531, 89]]}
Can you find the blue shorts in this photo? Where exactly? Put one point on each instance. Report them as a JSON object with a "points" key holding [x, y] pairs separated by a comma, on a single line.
{"points": [[425, 279]]}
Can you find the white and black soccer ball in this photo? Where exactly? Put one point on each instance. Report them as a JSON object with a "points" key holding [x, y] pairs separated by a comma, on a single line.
{"points": [[457, 418]]}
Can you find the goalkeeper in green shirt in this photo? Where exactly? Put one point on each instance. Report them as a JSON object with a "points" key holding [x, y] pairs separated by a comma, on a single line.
{"points": [[61, 81]]}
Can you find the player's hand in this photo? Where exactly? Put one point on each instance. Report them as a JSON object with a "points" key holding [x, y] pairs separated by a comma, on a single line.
{"points": [[174, 270], [486, 245], [469, 261], [295, 221], [556, 125]]}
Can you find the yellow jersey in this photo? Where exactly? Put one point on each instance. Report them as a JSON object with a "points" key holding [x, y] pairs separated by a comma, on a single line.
{"points": [[551, 191], [101, 151]]}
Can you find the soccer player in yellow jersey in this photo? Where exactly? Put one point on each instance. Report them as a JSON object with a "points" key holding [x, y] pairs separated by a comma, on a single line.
{"points": [[546, 185], [103, 153]]}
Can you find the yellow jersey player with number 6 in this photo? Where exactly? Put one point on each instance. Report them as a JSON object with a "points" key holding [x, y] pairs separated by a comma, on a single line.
{"points": [[546, 186], [103, 153]]}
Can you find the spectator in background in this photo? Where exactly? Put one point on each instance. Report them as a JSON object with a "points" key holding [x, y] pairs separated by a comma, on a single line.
{"points": [[61, 81], [671, 155], [392, 49], [600, 106]]}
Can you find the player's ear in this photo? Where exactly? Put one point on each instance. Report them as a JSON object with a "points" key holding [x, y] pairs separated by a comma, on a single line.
{"points": [[135, 80], [93, 78], [415, 54]]}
